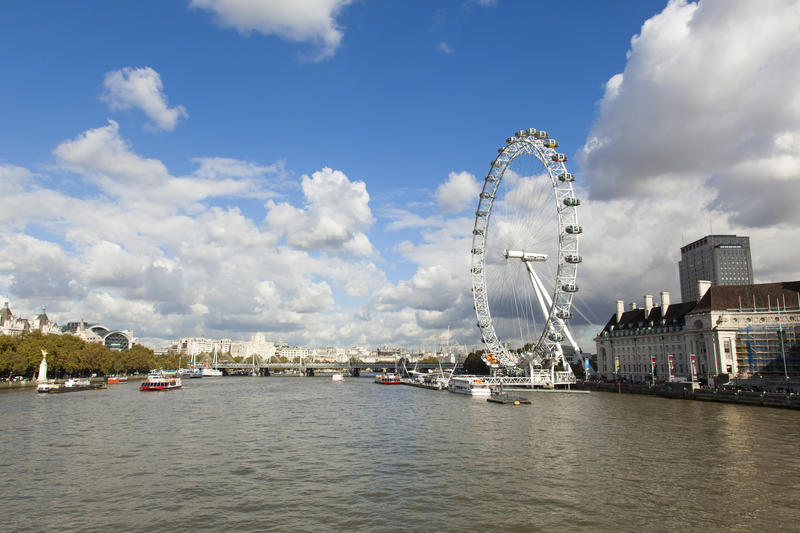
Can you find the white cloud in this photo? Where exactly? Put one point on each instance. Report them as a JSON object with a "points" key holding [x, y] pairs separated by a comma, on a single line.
{"points": [[106, 158], [699, 134], [312, 21], [141, 88], [405, 219], [102, 153], [13, 178], [699, 95], [459, 192], [444, 48], [334, 218]]}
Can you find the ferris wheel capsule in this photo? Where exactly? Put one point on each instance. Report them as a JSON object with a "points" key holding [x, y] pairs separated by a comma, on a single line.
{"points": [[550, 143], [559, 158], [574, 229], [541, 134]]}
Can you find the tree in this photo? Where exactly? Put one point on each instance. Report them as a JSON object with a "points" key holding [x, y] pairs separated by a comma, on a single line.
{"points": [[137, 359], [166, 361], [474, 364], [96, 358]]}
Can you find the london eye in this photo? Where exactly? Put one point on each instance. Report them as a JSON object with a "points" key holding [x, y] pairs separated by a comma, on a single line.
{"points": [[525, 256]]}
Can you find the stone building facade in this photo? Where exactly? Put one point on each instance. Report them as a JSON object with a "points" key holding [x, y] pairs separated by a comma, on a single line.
{"points": [[732, 331]]}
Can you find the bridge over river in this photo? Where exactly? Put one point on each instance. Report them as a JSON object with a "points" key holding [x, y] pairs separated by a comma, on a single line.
{"points": [[311, 368]]}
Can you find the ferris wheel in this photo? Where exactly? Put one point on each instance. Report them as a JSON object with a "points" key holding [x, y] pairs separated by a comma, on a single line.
{"points": [[525, 255]]}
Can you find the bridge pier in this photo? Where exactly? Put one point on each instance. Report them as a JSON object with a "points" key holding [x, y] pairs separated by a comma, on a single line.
{"points": [[310, 372], [355, 372]]}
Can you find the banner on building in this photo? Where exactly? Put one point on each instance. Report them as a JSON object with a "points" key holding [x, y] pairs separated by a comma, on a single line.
{"points": [[653, 366], [670, 366], [693, 365], [616, 365]]}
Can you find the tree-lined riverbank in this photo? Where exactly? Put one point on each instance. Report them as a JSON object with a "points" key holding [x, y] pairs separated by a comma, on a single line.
{"points": [[68, 355]]}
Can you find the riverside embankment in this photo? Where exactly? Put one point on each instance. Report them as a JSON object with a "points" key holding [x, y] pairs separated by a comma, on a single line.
{"points": [[684, 391]]}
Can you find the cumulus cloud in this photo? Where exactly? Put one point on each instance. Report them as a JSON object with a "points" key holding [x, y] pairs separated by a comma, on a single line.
{"points": [[312, 21], [141, 88], [103, 153], [701, 94], [457, 193], [108, 160], [154, 252], [334, 217], [699, 134]]}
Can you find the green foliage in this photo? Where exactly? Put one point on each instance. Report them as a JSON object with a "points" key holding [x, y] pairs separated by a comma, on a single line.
{"points": [[137, 359], [473, 364], [430, 359], [68, 355], [166, 361]]}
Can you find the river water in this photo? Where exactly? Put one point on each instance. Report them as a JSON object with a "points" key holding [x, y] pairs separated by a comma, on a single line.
{"points": [[309, 454]]}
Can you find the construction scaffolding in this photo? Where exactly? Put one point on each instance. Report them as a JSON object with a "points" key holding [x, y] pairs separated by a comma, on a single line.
{"points": [[771, 350]]}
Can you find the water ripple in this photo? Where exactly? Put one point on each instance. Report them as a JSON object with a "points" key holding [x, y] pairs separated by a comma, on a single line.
{"points": [[277, 454]]}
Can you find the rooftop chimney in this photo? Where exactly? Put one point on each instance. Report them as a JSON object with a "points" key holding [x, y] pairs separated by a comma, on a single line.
{"points": [[664, 303], [702, 288], [648, 303], [633, 306], [620, 310]]}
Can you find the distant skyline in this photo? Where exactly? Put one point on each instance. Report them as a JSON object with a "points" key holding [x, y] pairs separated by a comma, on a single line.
{"points": [[310, 170]]}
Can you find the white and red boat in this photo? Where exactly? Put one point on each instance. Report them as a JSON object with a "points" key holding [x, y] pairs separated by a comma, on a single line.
{"points": [[117, 379], [388, 379], [160, 381]]}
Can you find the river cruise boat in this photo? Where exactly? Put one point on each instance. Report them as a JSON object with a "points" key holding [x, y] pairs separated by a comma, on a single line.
{"points": [[211, 372], [117, 379], [160, 381], [388, 379], [337, 377], [470, 385]]}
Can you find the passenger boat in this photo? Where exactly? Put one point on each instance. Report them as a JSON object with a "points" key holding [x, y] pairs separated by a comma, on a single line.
{"points": [[45, 387], [337, 377], [432, 381], [117, 379], [70, 385], [160, 381], [388, 379], [211, 372], [193, 372], [470, 385]]}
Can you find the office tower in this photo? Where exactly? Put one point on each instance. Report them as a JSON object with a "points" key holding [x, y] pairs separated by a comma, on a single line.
{"points": [[720, 259]]}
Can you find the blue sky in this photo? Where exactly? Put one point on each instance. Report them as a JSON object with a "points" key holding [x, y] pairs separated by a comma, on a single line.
{"points": [[218, 168]]}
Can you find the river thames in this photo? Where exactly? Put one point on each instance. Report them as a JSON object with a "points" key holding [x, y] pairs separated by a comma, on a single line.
{"points": [[309, 454]]}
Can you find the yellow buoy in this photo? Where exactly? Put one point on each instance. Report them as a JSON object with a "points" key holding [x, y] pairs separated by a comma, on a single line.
{"points": [[516, 402]]}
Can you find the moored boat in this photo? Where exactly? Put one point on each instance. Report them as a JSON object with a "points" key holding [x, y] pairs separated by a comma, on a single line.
{"points": [[337, 377], [117, 379], [70, 385], [211, 372], [470, 385]]}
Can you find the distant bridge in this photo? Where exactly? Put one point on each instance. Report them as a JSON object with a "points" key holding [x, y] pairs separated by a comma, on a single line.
{"points": [[309, 369]]}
